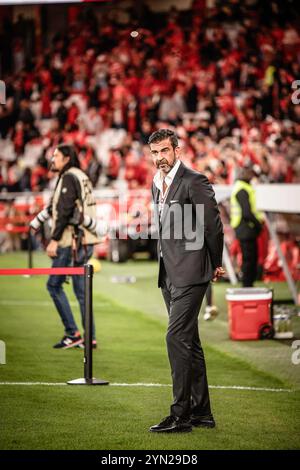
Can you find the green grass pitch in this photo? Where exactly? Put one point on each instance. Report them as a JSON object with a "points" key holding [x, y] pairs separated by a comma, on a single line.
{"points": [[131, 323]]}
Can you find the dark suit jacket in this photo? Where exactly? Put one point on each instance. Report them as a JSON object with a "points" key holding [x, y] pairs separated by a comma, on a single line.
{"points": [[189, 264]]}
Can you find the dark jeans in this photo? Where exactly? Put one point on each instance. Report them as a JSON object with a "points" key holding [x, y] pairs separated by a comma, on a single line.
{"points": [[249, 262], [55, 287], [190, 387]]}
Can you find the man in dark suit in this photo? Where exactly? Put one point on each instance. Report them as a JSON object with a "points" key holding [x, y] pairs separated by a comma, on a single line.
{"points": [[190, 256]]}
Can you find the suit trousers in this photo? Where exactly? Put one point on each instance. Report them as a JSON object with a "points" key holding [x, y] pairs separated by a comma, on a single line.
{"points": [[249, 261], [188, 369]]}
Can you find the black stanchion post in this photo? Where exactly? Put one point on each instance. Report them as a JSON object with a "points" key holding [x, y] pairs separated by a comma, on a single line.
{"points": [[88, 333]]}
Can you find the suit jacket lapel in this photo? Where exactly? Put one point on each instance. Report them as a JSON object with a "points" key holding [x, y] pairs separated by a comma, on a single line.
{"points": [[155, 200], [173, 189]]}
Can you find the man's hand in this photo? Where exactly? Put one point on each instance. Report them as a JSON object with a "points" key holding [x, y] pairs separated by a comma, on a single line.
{"points": [[219, 272], [51, 249]]}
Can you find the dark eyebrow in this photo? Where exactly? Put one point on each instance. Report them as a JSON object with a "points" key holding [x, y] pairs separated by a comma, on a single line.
{"points": [[164, 148]]}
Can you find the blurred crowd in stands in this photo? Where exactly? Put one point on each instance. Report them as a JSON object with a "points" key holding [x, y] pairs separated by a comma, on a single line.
{"points": [[221, 77]]}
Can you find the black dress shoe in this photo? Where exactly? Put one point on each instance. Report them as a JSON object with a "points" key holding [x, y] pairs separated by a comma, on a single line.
{"points": [[172, 424], [203, 421]]}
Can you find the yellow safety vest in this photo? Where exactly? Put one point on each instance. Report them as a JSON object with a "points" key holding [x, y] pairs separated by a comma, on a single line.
{"points": [[235, 208]]}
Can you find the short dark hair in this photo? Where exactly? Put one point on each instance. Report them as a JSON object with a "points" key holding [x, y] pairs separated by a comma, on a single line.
{"points": [[69, 151], [163, 134]]}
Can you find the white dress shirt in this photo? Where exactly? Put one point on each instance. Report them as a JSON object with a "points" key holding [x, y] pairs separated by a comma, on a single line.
{"points": [[158, 181]]}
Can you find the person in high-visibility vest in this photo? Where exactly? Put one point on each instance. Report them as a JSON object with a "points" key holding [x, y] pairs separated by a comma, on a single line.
{"points": [[247, 223]]}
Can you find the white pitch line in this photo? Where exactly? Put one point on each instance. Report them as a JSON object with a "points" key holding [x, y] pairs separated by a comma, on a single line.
{"points": [[139, 385], [254, 389], [226, 387], [48, 384]]}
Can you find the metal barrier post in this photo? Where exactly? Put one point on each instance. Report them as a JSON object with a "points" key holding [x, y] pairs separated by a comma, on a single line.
{"points": [[88, 322], [88, 333]]}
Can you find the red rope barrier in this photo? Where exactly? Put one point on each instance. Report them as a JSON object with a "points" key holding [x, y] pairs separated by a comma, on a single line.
{"points": [[37, 271]]}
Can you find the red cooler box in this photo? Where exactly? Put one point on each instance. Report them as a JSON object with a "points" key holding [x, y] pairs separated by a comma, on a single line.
{"points": [[249, 313]]}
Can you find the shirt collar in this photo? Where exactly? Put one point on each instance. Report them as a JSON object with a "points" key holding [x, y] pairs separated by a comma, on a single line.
{"points": [[158, 180]]}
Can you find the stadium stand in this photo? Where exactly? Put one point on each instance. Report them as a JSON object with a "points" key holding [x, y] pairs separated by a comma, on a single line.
{"points": [[222, 77]]}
